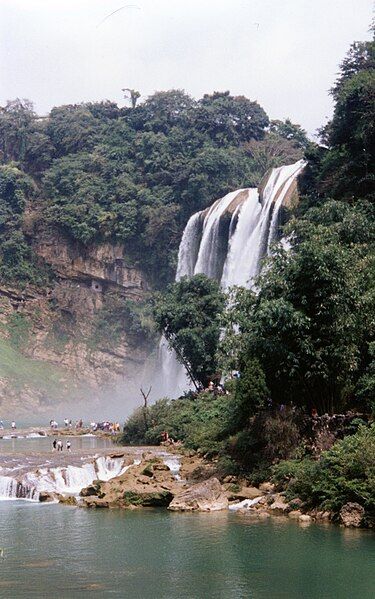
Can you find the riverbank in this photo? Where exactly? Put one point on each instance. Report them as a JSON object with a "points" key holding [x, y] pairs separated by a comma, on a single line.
{"points": [[47, 431], [192, 487], [94, 473]]}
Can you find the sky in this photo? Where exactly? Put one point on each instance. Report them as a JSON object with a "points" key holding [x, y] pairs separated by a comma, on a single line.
{"points": [[282, 53]]}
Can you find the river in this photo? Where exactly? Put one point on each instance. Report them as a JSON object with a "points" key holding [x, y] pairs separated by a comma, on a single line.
{"points": [[52, 550]]}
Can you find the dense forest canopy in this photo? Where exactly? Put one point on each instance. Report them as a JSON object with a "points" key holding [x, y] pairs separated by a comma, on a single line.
{"points": [[134, 175]]}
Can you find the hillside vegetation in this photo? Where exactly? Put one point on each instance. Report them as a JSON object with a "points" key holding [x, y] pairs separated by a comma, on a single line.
{"points": [[97, 172], [304, 342]]}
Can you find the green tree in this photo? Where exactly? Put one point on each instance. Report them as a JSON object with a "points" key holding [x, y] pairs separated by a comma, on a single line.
{"points": [[23, 138], [272, 151], [17, 261], [313, 318], [346, 169], [250, 395], [230, 119], [290, 131], [189, 317]]}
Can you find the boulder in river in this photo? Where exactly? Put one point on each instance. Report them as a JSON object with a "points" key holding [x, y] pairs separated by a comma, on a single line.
{"points": [[351, 514], [44, 496], [148, 484], [207, 496], [279, 507], [244, 493], [93, 489], [267, 487], [305, 519], [295, 514]]}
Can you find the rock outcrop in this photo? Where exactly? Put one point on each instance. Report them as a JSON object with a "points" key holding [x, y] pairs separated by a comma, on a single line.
{"points": [[351, 514], [98, 266], [148, 484], [207, 496], [60, 319], [244, 493]]}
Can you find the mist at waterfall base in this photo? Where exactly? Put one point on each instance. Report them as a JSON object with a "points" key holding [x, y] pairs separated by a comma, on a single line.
{"points": [[227, 242], [111, 402]]}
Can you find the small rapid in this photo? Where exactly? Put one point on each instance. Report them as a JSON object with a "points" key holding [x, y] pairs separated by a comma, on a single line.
{"points": [[63, 480]]}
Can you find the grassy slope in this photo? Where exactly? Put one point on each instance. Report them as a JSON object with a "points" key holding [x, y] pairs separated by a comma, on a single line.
{"points": [[20, 370]]}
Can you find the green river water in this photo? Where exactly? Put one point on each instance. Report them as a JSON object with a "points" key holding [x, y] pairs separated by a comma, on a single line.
{"points": [[55, 551], [59, 551]]}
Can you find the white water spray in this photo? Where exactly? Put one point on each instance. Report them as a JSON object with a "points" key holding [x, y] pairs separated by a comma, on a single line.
{"points": [[64, 480]]}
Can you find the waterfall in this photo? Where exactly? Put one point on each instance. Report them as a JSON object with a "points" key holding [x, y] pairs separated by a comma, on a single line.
{"points": [[242, 242], [213, 245], [257, 227], [10, 488], [189, 247], [228, 242], [64, 480]]}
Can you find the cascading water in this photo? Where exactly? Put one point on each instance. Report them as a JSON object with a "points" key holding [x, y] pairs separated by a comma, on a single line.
{"points": [[64, 480], [212, 245], [228, 242], [257, 227]]}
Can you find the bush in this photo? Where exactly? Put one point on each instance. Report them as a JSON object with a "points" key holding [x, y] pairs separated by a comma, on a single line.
{"points": [[201, 423], [269, 436], [250, 394], [346, 472]]}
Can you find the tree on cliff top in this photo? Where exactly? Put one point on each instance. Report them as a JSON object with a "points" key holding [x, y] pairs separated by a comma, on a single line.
{"points": [[345, 170]]}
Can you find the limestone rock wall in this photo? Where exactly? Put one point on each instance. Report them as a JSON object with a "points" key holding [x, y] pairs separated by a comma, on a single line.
{"points": [[60, 318]]}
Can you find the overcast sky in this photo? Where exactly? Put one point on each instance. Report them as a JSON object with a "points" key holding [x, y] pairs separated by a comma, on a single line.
{"points": [[282, 53]]}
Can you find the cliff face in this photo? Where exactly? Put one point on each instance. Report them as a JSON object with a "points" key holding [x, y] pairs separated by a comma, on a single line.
{"points": [[59, 325], [97, 267]]}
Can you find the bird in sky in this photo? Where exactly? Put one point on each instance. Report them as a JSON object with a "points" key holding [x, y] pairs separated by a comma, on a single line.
{"points": [[118, 10]]}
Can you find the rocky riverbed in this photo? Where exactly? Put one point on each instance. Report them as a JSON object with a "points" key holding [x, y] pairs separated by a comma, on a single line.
{"points": [[152, 483], [97, 474]]}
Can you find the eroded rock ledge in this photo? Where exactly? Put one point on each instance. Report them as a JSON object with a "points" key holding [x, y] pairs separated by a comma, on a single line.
{"points": [[151, 483]]}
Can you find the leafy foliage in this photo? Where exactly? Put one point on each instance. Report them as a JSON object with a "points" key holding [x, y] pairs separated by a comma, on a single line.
{"points": [[200, 423], [120, 316], [346, 472], [312, 320], [136, 175], [345, 169], [17, 261], [304, 338], [189, 317]]}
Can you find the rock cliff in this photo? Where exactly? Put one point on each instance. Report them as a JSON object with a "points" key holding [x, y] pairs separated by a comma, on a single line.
{"points": [[63, 324]]}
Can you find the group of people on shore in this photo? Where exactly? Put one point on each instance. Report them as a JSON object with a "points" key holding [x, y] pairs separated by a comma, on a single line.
{"points": [[106, 425], [58, 445], [13, 425], [67, 424], [110, 427]]}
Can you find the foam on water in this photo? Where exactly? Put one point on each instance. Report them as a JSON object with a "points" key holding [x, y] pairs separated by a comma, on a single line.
{"points": [[64, 480]]}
